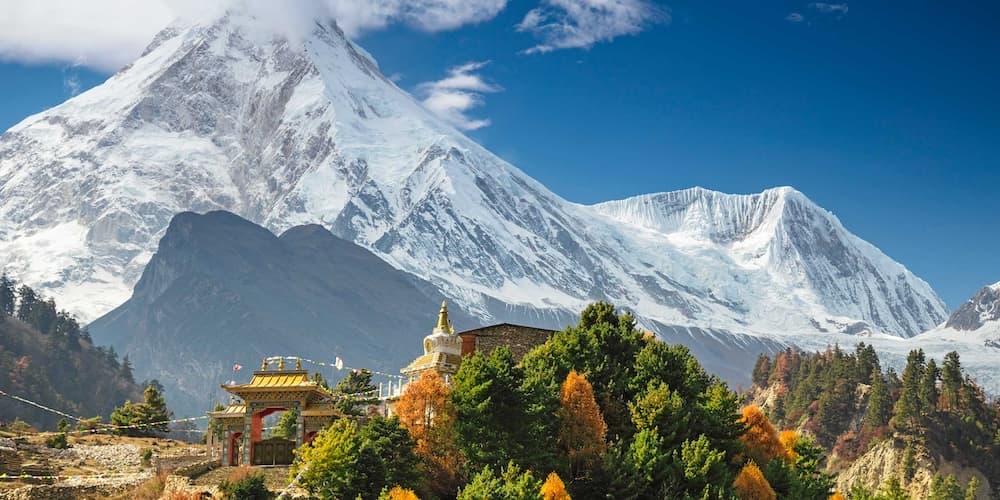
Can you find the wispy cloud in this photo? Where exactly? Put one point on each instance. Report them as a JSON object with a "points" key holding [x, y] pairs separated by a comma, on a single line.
{"points": [[454, 96], [829, 8], [107, 34], [71, 79], [818, 10], [572, 24], [357, 16]]}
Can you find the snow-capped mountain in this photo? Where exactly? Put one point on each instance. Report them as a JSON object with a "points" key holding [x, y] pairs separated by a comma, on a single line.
{"points": [[229, 114]]}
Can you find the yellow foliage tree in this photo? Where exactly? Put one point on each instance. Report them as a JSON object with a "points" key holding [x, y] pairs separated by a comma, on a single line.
{"points": [[399, 493], [582, 430], [788, 439], [750, 484], [426, 411], [761, 439], [837, 496], [554, 489]]}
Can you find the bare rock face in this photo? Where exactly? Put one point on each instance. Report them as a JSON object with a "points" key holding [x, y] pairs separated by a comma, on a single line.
{"points": [[982, 308], [884, 460]]}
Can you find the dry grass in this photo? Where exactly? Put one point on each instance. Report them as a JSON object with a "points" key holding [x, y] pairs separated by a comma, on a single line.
{"points": [[152, 489]]}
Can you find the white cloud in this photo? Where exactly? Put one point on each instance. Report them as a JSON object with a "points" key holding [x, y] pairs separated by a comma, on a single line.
{"points": [[106, 34], [570, 24], [839, 9], [794, 17], [452, 97], [357, 16]]}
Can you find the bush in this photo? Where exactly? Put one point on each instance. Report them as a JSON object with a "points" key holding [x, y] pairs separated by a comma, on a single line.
{"points": [[57, 441], [245, 484], [147, 456]]}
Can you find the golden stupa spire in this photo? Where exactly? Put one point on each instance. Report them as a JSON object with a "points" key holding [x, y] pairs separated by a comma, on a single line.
{"points": [[281, 363], [263, 365], [444, 324]]}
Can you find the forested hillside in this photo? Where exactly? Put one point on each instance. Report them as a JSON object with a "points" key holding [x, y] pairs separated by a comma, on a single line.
{"points": [[928, 432], [47, 358]]}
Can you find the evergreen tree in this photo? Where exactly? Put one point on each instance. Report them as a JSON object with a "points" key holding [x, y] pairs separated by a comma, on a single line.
{"points": [[356, 392], [27, 304], [126, 369], [386, 457], [288, 425], [512, 484], [602, 346], [328, 466], [866, 363], [493, 423], [951, 381], [945, 488], [879, 402], [8, 296], [761, 371], [928, 389], [908, 408], [892, 490]]}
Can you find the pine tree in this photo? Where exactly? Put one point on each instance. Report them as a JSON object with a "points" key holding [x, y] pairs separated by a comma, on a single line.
{"points": [[356, 392], [288, 425], [951, 381], [8, 296], [945, 488], [512, 484], [494, 423], [908, 408], [156, 413], [761, 371], [27, 303], [126, 369], [879, 402], [751, 485], [928, 389], [582, 426], [386, 457]]}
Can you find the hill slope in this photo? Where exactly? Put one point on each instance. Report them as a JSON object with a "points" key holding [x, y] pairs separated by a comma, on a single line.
{"points": [[68, 374], [221, 290]]}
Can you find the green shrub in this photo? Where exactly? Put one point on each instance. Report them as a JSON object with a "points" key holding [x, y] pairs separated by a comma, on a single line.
{"points": [[245, 484], [57, 441]]}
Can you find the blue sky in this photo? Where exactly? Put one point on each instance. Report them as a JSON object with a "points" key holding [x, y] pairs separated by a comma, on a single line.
{"points": [[888, 115]]}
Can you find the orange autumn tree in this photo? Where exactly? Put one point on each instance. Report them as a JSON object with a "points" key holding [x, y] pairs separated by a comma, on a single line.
{"points": [[750, 484], [837, 496], [554, 489], [582, 430], [788, 439], [426, 411], [398, 493], [761, 439]]}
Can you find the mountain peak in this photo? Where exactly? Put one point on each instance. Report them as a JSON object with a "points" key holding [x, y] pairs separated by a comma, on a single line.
{"points": [[290, 123], [982, 308]]}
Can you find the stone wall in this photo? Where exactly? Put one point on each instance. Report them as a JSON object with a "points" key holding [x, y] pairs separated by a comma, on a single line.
{"points": [[520, 339]]}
